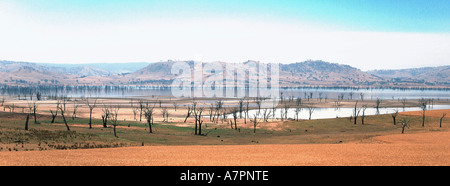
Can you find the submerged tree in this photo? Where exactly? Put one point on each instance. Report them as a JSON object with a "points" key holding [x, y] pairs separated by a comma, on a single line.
{"points": [[310, 111], [377, 106]]}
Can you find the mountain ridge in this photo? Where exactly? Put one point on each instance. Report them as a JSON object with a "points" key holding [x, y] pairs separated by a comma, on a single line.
{"points": [[311, 73]]}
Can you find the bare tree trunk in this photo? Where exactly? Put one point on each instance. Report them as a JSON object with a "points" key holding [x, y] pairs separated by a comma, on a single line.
{"points": [[200, 127], [90, 118], [195, 128], [54, 115], [440, 120], [26, 122], [65, 122], [423, 119]]}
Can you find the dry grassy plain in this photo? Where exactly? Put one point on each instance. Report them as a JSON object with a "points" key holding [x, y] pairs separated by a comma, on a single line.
{"points": [[315, 142]]}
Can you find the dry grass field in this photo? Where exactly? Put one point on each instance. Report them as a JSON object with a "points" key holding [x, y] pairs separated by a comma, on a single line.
{"points": [[408, 149], [335, 141]]}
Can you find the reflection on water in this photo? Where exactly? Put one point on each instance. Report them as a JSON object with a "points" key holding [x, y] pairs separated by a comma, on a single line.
{"points": [[149, 91], [328, 113]]}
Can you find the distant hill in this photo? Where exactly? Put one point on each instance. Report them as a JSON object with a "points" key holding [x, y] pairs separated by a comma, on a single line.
{"points": [[105, 68], [320, 73], [300, 74], [427, 75]]}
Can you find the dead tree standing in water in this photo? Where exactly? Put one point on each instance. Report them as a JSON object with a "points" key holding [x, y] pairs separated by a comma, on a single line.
{"points": [[378, 104], [311, 111]]}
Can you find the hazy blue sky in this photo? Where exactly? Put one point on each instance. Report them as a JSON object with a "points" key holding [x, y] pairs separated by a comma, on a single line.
{"points": [[367, 34]]}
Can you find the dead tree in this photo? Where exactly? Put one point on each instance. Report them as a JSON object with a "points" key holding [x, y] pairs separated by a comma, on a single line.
{"points": [[423, 106], [56, 112], [286, 109], [235, 116], [189, 111], [364, 107], [211, 112], [297, 112], [198, 120], [241, 107], [440, 120], [105, 116], [175, 105], [299, 101], [224, 115], [310, 111], [255, 122], [141, 109], [54, 115], [91, 108], [165, 114], [218, 109], [33, 106], [114, 118], [258, 103], [26, 121], [394, 116], [148, 113], [247, 105], [350, 95], [266, 114], [356, 112], [377, 106], [405, 124], [135, 111], [404, 104], [61, 109], [75, 109]]}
